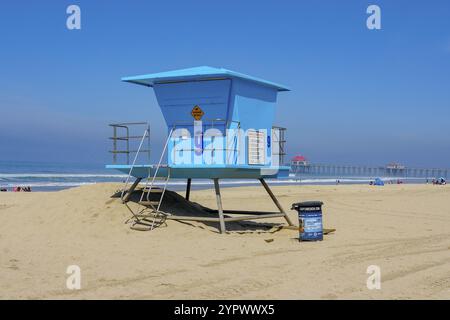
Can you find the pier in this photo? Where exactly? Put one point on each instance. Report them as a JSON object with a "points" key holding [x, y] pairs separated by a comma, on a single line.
{"points": [[395, 171]]}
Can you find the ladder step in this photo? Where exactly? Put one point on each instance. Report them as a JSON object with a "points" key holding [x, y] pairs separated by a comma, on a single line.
{"points": [[149, 203]]}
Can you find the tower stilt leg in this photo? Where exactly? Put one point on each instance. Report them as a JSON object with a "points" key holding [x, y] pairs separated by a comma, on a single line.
{"points": [[130, 191], [219, 205], [188, 188], [275, 200]]}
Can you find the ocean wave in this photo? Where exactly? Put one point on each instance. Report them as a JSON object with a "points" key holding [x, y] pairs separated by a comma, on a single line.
{"points": [[44, 184], [75, 180], [47, 184]]}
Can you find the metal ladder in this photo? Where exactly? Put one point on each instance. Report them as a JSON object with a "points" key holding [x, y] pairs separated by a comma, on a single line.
{"points": [[147, 203], [127, 181]]}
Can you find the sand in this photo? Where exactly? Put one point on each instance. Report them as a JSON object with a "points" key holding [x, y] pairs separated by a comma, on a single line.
{"points": [[403, 229]]}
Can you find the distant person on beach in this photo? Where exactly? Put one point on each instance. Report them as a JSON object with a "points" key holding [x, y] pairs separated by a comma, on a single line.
{"points": [[440, 181], [22, 189], [3, 190]]}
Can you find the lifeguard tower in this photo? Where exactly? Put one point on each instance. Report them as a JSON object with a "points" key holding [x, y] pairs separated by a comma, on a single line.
{"points": [[220, 126]]}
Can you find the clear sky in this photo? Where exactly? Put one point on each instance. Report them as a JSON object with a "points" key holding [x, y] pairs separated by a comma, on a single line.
{"points": [[358, 96]]}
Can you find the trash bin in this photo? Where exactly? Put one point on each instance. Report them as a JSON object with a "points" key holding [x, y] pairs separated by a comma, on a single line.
{"points": [[309, 220]]}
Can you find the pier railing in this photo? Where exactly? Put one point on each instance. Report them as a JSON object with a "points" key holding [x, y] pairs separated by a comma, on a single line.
{"points": [[331, 170]]}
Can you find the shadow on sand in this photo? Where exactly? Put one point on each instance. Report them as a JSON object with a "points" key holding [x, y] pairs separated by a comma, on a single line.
{"points": [[175, 204]]}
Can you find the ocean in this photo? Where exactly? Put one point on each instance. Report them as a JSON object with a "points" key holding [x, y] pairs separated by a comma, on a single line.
{"points": [[42, 176]]}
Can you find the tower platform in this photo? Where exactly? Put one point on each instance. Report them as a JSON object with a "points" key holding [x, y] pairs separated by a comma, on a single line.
{"points": [[202, 172]]}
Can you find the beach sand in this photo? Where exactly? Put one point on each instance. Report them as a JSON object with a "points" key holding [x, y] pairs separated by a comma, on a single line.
{"points": [[403, 229]]}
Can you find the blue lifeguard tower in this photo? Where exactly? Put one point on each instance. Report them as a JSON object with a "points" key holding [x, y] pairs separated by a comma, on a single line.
{"points": [[220, 126]]}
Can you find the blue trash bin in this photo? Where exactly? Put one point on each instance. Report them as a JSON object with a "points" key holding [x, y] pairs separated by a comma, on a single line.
{"points": [[309, 220]]}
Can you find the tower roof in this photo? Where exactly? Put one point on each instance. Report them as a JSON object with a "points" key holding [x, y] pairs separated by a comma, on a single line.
{"points": [[197, 73], [299, 158]]}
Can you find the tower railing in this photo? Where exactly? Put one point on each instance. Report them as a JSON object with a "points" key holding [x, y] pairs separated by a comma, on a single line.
{"points": [[146, 134], [279, 137], [122, 140]]}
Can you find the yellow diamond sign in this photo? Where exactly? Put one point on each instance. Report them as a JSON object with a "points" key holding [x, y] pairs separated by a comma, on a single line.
{"points": [[197, 113]]}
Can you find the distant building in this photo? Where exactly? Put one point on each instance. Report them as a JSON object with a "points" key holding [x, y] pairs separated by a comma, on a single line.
{"points": [[299, 161], [299, 164]]}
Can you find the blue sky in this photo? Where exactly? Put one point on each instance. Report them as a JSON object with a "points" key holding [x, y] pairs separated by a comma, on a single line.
{"points": [[358, 96]]}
